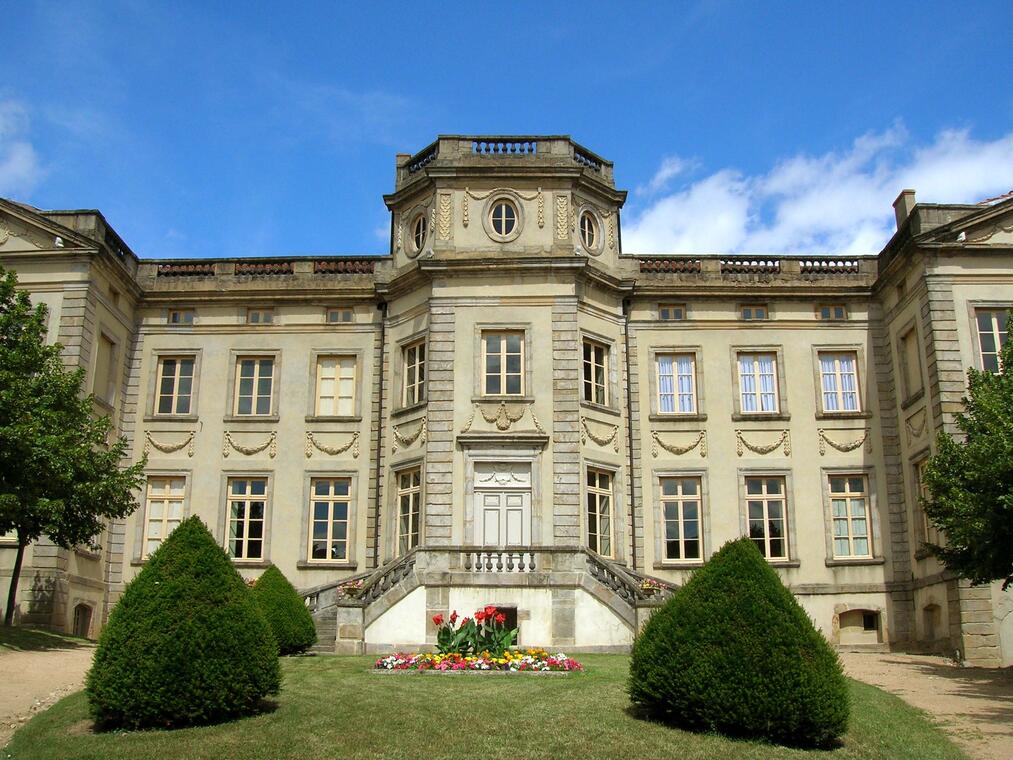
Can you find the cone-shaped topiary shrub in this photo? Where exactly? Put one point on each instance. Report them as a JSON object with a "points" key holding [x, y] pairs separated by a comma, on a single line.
{"points": [[733, 652], [186, 644], [286, 612]]}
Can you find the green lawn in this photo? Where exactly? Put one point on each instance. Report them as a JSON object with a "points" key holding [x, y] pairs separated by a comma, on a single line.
{"points": [[333, 707], [18, 639]]}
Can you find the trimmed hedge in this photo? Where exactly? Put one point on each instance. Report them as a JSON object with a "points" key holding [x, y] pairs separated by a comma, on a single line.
{"points": [[285, 611], [734, 652], [186, 644]]}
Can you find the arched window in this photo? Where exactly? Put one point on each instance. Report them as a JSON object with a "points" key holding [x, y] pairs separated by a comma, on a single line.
{"points": [[588, 230], [419, 229]]}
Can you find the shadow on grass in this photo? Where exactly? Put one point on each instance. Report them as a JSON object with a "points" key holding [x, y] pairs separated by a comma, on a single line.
{"points": [[263, 707], [18, 639], [641, 713]]}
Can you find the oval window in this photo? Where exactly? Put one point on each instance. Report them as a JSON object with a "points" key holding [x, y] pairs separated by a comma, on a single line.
{"points": [[588, 230], [504, 218], [419, 228]]}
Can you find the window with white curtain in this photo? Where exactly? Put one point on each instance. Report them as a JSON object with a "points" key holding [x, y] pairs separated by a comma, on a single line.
{"points": [[676, 384], [839, 382], [758, 383]]}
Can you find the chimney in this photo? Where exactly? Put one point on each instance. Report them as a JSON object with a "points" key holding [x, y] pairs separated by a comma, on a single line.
{"points": [[903, 206]]}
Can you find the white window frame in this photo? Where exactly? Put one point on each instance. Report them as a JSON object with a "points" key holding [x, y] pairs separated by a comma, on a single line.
{"points": [[503, 374], [677, 394], [258, 359], [179, 317], [413, 386], [332, 499], [749, 312], [756, 377], [589, 372], [406, 541], [766, 498], [596, 493], [680, 499], [672, 312], [835, 392], [165, 497], [998, 336], [335, 315], [176, 379], [341, 363], [263, 316], [246, 498], [850, 535]]}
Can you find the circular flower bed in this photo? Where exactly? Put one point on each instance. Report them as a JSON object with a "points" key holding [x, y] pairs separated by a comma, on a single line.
{"points": [[528, 660]]}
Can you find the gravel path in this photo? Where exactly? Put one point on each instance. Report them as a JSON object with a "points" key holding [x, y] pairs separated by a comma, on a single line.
{"points": [[32, 681], [973, 705]]}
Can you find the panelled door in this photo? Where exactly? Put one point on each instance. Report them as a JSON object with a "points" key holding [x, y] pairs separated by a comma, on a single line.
{"points": [[504, 517]]}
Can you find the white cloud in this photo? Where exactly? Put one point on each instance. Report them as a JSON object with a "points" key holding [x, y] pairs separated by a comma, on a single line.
{"points": [[20, 168], [671, 167], [838, 202]]}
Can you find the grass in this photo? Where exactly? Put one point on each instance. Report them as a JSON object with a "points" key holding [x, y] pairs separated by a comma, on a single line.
{"points": [[18, 639], [333, 706]]}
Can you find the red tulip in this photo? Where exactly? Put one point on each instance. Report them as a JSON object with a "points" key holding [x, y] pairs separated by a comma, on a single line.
{"points": [[465, 621], [453, 616], [490, 611], [479, 616], [501, 618], [437, 619]]}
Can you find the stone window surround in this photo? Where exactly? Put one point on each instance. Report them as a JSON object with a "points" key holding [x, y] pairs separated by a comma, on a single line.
{"points": [[765, 305], [612, 371], [674, 305], [599, 224], [973, 306], [263, 310], [861, 379], [618, 504], [789, 506], [832, 305], [875, 532], [350, 563], [115, 357], [493, 452], [140, 525], [660, 562], [181, 310], [478, 389], [397, 389], [151, 395], [496, 197], [656, 414], [780, 376], [235, 354], [910, 326], [919, 525], [406, 221], [223, 512], [390, 540], [311, 403]]}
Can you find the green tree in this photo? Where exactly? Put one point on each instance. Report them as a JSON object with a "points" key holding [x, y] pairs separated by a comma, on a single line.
{"points": [[285, 611], [59, 475], [970, 479]]}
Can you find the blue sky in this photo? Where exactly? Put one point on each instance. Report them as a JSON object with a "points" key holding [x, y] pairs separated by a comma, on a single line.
{"points": [[202, 130]]}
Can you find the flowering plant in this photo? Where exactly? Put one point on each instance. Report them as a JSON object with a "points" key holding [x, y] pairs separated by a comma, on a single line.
{"points": [[529, 660], [350, 588], [651, 585], [486, 631]]}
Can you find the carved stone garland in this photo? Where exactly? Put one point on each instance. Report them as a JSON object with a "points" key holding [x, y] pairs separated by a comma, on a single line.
{"points": [[824, 439], [701, 441], [465, 218], [404, 441], [313, 443], [168, 448], [502, 417], [916, 431], [782, 440], [271, 444], [601, 440]]}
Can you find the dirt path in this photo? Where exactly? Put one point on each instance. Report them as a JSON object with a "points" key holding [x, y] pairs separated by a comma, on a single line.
{"points": [[973, 705], [32, 681]]}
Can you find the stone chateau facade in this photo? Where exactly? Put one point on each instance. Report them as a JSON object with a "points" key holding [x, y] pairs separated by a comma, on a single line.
{"points": [[510, 408]]}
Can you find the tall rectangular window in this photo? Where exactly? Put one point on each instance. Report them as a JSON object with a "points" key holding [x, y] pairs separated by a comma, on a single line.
{"points": [[414, 373], [503, 362], [599, 511], [104, 385], [849, 508], [163, 510], [175, 385], [910, 364], [839, 381], [991, 338], [254, 385], [758, 383], [409, 498], [247, 506], [676, 384], [929, 532], [680, 507], [329, 507], [595, 374], [766, 510], [335, 386]]}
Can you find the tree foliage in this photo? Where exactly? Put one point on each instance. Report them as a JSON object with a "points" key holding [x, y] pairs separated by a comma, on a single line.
{"points": [[734, 652], [970, 480], [59, 475], [285, 612], [186, 644]]}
